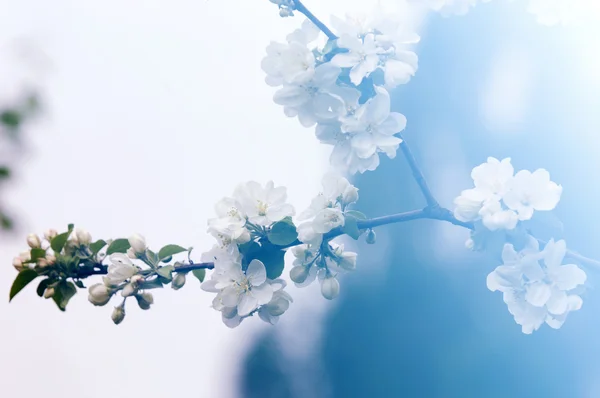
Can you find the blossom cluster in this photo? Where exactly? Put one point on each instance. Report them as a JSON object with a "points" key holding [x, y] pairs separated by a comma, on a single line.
{"points": [[501, 198], [253, 227], [341, 87], [538, 292]]}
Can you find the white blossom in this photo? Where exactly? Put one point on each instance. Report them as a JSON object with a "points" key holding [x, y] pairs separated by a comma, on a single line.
{"points": [[362, 56], [312, 101], [34, 241], [50, 234], [536, 293], [532, 191], [279, 304], [83, 236], [330, 287], [373, 127], [229, 226], [263, 206], [120, 269]]}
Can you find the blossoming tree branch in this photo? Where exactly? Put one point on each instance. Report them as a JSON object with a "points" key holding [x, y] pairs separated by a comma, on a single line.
{"points": [[339, 84]]}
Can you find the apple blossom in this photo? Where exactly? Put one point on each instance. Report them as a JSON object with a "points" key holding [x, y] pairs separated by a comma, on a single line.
{"points": [[118, 314], [34, 241], [138, 243], [263, 206], [99, 294], [532, 191], [120, 269]]}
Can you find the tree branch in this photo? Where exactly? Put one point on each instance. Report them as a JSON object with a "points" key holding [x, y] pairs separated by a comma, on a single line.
{"points": [[417, 173], [302, 8]]}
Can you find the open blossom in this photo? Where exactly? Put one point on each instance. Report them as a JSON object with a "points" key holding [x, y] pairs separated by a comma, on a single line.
{"points": [[229, 226], [362, 56], [279, 304], [245, 291], [120, 269], [501, 198], [263, 205], [532, 191], [312, 101], [536, 293], [291, 62]]}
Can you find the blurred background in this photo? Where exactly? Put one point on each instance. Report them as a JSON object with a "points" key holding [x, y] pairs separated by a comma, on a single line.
{"points": [[146, 113]]}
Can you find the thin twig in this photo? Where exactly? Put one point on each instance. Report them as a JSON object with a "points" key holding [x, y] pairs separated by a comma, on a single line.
{"points": [[417, 173]]}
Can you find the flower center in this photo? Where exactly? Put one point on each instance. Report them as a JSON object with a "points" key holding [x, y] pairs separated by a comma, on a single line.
{"points": [[262, 208]]}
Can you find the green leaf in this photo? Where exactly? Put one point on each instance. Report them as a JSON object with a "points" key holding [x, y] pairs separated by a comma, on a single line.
{"points": [[11, 118], [42, 287], [5, 222], [79, 284], [153, 284], [63, 292], [351, 227], [170, 250], [248, 249], [4, 172], [59, 242], [200, 274], [272, 257], [22, 280], [356, 214], [37, 253], [165, 272], [282, 233], [97, 246], [118, 246]]}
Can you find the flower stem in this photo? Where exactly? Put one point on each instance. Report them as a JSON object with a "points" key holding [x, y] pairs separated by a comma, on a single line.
{"points": [[418, 174], [302, 8]]}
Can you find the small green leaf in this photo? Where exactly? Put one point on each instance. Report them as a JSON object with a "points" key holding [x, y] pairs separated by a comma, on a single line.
{"points": [[248, 249], [97, 246], [153, 284], [79, 284], [42, 287], [170, 250], [118, 246], [5, 222], [36, 254], [63, 292], [11, 118], [70, 227], [22, 280], [200, 274], [152, 258], [165, 272], [351, 228], [4, 172], [272, 257], [356, 214], [59, 242], [282, 233]]}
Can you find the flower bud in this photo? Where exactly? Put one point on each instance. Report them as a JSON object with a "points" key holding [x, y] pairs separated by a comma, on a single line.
{"points": [[470, 244], [131, 253], [178, 281], [128, 290], [285, 12], [330, 288], [51, 258], [49, 292], [371, 237], [25, 256], [18, 263], [144, 300], [42, 262], [350, 194], [138, 243], [50, 234], [83, 237], [99, 294], [299, 274], [118, 315], [34, 241], [137, 279]]}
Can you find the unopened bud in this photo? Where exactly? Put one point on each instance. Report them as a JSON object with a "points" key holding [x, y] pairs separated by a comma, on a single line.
{"points": [[99, 294], [285, 12], [51, 258], [138, 243], [118, 315], [137, 279], [50, 234], [144, 300], [371, 237], [178, 281], [350, 194], [330, 288], [299, 274], [34, 241], [25, 256], [128, 290], [49, 292], [347, 261], [83, 237], [470, 244], [131, 253], [42, 262], [17, 263]]}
